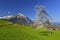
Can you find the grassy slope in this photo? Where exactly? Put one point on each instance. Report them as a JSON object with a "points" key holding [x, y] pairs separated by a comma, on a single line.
{"points": [[3, 22], [21, 32]]}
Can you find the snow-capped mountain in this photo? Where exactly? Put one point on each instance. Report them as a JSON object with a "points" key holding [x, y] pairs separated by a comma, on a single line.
{"points": [[4, 17], [19, 19], [20, 15]]}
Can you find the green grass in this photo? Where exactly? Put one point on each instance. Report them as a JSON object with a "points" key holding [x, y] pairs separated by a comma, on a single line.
{"points": [[3, 22], [21, 32]]}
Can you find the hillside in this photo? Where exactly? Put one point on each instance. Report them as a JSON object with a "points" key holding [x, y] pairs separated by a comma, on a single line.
{"points": [[19, 19], [3, 22], [21, 32]]}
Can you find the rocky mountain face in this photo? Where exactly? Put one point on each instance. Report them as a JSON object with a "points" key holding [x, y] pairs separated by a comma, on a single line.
{"points": [[19, 19]]}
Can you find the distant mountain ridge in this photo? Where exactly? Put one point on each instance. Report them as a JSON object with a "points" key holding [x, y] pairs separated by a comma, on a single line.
{"points": [[19, 19]]}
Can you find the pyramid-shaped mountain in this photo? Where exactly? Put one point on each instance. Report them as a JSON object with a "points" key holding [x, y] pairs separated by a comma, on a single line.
{"points": [[19, 19]]}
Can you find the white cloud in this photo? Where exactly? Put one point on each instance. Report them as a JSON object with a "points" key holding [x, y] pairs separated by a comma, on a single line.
{"points": [[9, 12], [6, 17], [0, 17]]}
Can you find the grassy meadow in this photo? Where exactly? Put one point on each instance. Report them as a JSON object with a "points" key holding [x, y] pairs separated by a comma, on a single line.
{"points": [[10, 31]]}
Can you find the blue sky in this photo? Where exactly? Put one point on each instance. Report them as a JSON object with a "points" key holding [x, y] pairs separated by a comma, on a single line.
{"points": [[13, 7]]}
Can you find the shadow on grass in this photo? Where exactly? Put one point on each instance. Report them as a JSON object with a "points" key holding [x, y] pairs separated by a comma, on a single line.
{"points": [[46, 33], [5, 25]]}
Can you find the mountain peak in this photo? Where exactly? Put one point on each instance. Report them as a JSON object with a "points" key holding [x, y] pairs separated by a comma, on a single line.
{"points": [[19, 18], [19, 15]]}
